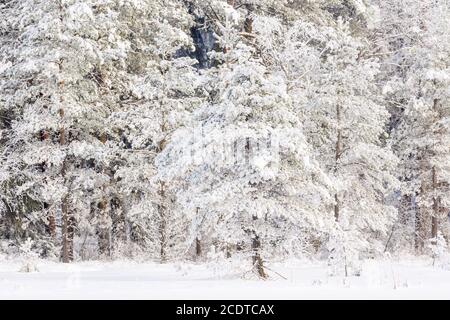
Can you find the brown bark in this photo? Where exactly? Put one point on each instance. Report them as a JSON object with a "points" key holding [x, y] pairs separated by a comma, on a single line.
{"points": [[434, 178], [52, 225], [67, 227], [162, 209], [248, 24]]}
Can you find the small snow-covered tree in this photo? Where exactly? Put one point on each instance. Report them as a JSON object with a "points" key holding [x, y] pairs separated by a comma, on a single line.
{"points": [[29, 256], [439, 249]]}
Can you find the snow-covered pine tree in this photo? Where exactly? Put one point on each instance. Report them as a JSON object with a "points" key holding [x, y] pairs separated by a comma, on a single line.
{"points": [[243, 163]]}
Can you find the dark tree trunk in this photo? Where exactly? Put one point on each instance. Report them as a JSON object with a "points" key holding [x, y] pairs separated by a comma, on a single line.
{"points": [[67, 217], [67, 232], [119, 234], [435, 215], [198, 248], [248, 24], [52, 225], [421, 215]]}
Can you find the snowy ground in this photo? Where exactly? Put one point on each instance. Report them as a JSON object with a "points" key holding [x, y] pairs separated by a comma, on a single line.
{"points": [[404, 279]]}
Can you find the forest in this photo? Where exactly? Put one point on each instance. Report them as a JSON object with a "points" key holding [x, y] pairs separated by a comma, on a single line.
{"points": [[225, 131]]}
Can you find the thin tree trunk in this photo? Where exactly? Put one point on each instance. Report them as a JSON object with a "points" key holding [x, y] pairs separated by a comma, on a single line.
{"points": [[104, 241], [51, 215], [163, 223], [68, 232], [65, 233], [258, 263], [338, 151], [421, 214], [52, 225], [119, 232], [434, 217], [104, 232], [248, 24], [198, 244], [67, 216], [162, 209], [198, 248]]}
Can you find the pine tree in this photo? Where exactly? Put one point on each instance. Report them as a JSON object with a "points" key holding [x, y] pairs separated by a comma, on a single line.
{"points": [[347, 129], [243, 164], [422, 136], [57, 92]]}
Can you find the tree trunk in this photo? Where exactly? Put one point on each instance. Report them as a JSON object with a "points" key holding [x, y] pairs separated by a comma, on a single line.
{"points": [[198, 244], [163, 223], [421, 214], [248, 24], [68, 220], [65, 238], [258, 263], [67, 217], [104, 238], [104, 227], [51, 216], [52, 225], [434, 217], [67, 232], [338, 151], [119, 232], [198, 248]]}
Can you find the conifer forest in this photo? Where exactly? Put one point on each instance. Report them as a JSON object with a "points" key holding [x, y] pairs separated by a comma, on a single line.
{"points": [[233, 138]]}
